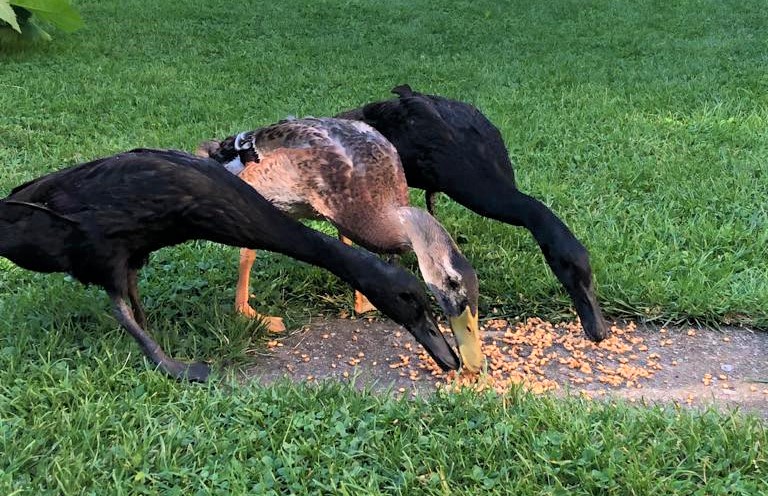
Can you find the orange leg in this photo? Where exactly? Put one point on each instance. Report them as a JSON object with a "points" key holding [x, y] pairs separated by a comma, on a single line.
{"points": [[362, 305], [247, 257]]}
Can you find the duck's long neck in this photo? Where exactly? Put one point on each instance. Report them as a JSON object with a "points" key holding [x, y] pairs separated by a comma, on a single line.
{"points": [[429, 240], [351, 265], [504, 202], [545, 226]]}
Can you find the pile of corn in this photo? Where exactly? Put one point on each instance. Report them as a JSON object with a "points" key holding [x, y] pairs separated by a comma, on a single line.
{"points": [[538, 356], [525, 354]]}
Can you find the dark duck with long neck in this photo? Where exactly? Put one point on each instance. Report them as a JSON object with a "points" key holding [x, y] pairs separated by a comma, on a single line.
{"points": [[450, 147], [99, 222]]}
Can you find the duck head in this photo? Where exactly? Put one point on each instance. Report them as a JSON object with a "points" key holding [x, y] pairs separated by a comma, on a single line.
{"points": [[450, 278], [454, 284], [403, 299], [570, 263]]}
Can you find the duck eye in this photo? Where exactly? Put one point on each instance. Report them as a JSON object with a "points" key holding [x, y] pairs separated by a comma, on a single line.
{"points": [[453, 284]]}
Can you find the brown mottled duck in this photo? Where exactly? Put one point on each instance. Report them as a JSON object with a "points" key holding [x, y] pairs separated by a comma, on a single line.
{"points": [[349, 174]]}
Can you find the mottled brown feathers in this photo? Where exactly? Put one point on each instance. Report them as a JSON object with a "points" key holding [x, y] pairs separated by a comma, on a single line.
{"points": [[340, 170]]}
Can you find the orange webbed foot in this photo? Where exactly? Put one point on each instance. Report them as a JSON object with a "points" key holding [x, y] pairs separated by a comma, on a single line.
{"points": [[273, 324]]}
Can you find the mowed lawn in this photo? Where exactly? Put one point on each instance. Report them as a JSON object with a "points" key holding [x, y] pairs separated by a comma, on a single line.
{"points": [[644, 125]]}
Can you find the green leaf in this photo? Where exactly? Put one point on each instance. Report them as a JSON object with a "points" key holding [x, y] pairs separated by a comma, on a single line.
{"points": [[58, 12], [8, 15]]}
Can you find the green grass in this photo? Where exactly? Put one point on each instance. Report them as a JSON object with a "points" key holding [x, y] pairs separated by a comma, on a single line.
{"points": [[157, 437], [642, 124]]}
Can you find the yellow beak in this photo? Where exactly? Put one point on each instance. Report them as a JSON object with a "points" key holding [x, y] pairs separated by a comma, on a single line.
{"points": [[467, 334]]}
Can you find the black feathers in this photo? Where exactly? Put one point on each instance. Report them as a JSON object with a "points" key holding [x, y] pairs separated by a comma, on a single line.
{"points": [[451, 147], [99, 221]]}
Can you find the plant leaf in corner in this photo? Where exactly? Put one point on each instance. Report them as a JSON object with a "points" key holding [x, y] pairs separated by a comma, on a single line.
{"points": [[58, 12], [8, 15]]}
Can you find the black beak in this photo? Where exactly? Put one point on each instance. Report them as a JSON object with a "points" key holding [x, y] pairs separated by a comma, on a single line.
{"points": [[591, 316], [430, 337]]}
